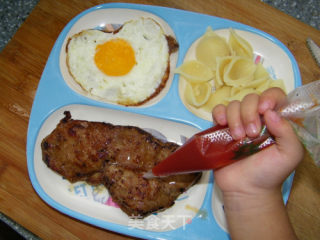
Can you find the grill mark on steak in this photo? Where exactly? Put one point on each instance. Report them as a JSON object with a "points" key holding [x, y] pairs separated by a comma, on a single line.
{"points": [[116, 156]]}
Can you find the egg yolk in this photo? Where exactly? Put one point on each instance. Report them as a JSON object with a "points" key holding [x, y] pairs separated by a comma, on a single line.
{"points": [[115, 57]]}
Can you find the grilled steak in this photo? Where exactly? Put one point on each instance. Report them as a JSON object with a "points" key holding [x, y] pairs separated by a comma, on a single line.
{"points": [[116, 156]]}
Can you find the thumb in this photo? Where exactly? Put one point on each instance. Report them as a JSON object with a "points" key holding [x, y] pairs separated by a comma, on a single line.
{"points": [[287, 142]]}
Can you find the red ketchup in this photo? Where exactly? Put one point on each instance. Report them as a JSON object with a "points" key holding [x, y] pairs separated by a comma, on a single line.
{"points": [[211, 149]]}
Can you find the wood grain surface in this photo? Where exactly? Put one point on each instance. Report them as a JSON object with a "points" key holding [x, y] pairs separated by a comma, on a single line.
{"points": [[21, 65]]}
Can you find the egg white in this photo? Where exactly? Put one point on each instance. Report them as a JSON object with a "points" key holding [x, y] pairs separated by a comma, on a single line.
{"points": [[151, 53]]}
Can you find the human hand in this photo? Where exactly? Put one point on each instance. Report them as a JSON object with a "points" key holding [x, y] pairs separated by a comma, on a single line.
{"points": [[266, 170], [251, 187]]}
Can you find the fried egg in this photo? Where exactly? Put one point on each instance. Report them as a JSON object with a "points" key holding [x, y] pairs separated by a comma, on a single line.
{"points": [[127, 67]]}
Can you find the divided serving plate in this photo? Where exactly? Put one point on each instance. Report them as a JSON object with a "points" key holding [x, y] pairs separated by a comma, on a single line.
{"points": [[197, 213]]}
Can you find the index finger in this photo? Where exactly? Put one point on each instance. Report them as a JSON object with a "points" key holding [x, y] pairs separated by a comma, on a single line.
{"points": [[271, 99]]}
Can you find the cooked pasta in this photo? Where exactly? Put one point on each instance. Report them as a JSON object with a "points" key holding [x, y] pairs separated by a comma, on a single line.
{"points": [[239, 46], [195, 71], [223, 71], [210, 47], [239, 72]]}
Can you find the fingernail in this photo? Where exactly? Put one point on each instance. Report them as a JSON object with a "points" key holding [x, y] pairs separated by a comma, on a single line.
{"points": [[264, 106], [238, 133], [221, 119], [252, 129]]}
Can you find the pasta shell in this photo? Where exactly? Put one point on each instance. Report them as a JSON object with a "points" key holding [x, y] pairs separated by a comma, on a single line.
{"points": [[239, 72], [197, 94], [222, 62], [234, 91], [257, 82], [219, 96], [229, 66], [239, 45], [209, 32], [260, 72], [264, 86], [210, 47], [239, 96], [195, 71]]}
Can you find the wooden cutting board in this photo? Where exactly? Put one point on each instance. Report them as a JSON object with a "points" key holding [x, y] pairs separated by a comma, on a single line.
{"points": [[21, 65]]}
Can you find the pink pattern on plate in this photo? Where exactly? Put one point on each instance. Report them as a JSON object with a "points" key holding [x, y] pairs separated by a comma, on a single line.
{"points": [[258, 59], [111, 203]]}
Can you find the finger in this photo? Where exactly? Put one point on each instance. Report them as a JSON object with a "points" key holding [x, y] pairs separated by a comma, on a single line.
{"points": [[271, 99], [284, 135], [250, 115], [234, 120], [219, 114]]}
